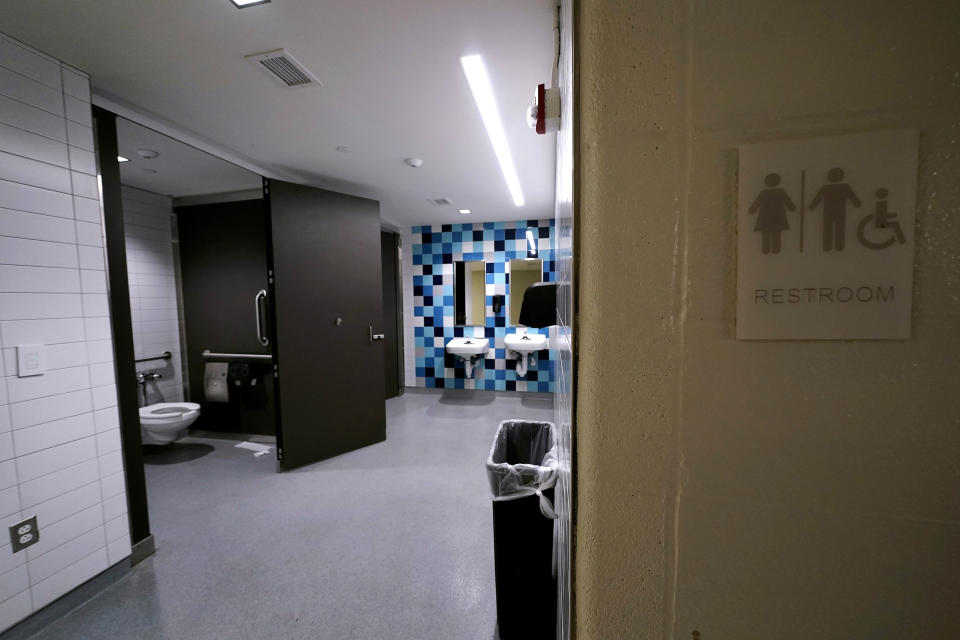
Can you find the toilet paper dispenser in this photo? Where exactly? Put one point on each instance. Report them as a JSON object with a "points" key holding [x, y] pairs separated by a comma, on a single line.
{"points": [[243, 369]]}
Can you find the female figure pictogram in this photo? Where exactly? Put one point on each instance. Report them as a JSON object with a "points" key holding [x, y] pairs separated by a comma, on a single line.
{"points": [[771, 207]]}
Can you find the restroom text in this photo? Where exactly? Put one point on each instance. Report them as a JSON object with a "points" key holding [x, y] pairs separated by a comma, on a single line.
{"points": [[825, 295]]}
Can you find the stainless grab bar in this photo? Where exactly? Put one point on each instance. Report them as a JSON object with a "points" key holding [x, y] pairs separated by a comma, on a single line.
{"points": [[208, 355], [257, 304], [166, 355]]}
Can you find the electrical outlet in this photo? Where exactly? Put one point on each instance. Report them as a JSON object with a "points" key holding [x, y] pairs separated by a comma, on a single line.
{"points": [[23, 534]]}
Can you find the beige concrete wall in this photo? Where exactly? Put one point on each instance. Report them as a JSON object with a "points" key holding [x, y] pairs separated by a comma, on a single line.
{"points": [[790, 490]]}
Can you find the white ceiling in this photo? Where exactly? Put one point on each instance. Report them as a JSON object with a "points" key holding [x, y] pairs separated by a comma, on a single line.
{"points": [[181, 170], [392, 88]]}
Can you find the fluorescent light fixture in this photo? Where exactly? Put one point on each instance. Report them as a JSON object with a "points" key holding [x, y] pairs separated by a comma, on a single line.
{"points": [[243, 4], [122, 159], [476, 73], [464, 211], [531, 244]]}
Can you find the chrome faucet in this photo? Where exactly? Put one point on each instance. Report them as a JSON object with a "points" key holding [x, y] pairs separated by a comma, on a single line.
{"points": [[143, 378]]}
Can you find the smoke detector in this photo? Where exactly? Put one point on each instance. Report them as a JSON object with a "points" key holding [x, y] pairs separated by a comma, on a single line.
{"points": [[148, 154], [283, 68], [413, 162]]}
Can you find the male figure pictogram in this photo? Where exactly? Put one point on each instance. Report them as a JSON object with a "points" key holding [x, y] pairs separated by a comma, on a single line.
{"points": [[771, 207], [835, 197]]}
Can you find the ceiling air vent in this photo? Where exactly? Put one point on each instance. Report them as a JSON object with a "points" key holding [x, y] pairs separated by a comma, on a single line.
{"points": [[441, 202], [283, 67]]}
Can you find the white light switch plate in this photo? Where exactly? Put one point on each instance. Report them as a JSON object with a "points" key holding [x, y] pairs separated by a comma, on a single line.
{"points": [[31, 360]]}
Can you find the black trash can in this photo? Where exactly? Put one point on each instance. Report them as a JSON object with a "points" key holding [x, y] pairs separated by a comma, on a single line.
{"points": [[522, 470]]}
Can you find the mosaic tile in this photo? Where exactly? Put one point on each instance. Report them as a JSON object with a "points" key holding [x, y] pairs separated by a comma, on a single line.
{"points": [[435, 249]]}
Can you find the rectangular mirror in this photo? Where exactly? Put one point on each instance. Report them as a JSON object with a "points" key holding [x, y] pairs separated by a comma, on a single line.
{"points": [[523, 273], [469, 293]]}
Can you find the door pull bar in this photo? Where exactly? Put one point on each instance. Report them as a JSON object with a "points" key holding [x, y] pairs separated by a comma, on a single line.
{"points": [[257, 304]]}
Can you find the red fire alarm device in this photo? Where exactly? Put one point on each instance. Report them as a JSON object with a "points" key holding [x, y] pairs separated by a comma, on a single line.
{"points": [[544, 115]]}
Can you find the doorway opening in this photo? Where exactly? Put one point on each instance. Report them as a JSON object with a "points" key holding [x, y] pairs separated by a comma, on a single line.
{"points": [[288, 314]]}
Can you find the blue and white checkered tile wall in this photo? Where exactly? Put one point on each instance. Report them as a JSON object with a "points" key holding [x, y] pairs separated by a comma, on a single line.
{"points": [[435, 249]]}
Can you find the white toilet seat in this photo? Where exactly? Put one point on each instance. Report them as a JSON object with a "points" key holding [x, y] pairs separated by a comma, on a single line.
{"points": [[163, 422], [162, 412]]}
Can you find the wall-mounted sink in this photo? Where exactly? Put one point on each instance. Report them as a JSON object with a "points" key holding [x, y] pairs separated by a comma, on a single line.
{"points": [[524, 345], [468, 346], [469, 350]]}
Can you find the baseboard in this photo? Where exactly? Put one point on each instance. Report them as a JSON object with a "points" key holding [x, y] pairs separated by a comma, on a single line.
{"points": [[142, 550], [499, 393], [67, 603]]}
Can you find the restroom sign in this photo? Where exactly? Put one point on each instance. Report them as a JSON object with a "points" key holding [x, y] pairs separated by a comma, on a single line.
{"points": [[825, 235]]}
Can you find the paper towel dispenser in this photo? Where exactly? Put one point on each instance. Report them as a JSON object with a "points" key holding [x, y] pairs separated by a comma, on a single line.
{"points": [[539, 307]]}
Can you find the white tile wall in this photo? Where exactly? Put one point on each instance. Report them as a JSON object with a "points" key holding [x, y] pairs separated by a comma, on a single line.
{"points": [[59, 433], [20, 86], [147, 220]]}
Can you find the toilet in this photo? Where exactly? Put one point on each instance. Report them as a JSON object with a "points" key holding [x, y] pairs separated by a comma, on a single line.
{"points": [[162, 423]]}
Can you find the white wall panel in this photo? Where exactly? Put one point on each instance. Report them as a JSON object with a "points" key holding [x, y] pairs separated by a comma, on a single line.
{"points": [[22, 197], [22, 224], [79, 135], [32, 145], [30, 91], [46, 591], [33, 412], [29, 118], [153, 288], [27, 63], [50, 434], [57, 430], [17, 168]]}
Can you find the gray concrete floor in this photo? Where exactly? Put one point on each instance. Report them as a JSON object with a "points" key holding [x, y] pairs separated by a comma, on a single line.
{"points": [[392, 541]]}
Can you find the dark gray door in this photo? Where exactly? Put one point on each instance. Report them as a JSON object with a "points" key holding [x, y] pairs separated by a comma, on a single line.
{"points": [[389, 260], [326, 301]]}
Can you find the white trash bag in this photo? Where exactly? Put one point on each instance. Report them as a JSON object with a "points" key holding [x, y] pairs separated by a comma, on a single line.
{"points": [[523, 462]]}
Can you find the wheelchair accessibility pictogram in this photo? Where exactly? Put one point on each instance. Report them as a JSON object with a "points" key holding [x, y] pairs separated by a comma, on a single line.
{"points": [[885, 230]]}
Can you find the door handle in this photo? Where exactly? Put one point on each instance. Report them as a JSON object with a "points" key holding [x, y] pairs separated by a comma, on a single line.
{"points": [[258, 305], [375, 336]]}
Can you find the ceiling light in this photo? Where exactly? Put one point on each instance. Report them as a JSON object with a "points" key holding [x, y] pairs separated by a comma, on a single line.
{"points": [[148, 154], [122, 159], [243, 4], [476, 73], [464, 211]]}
